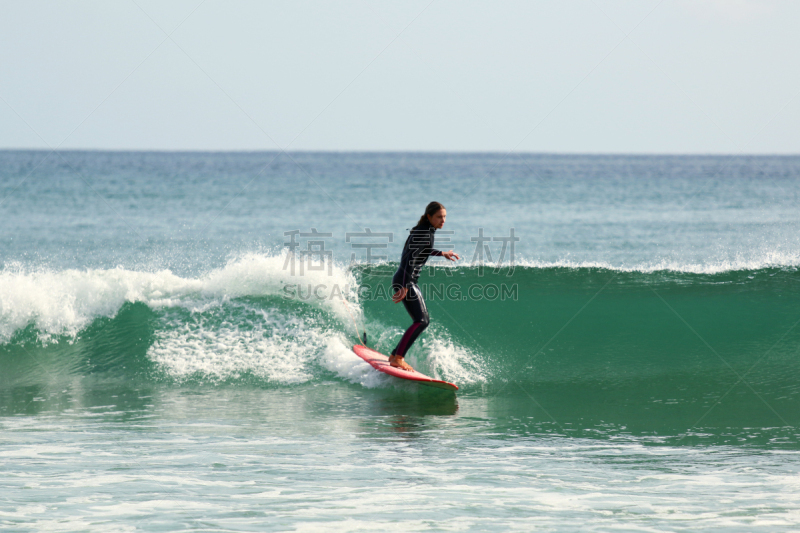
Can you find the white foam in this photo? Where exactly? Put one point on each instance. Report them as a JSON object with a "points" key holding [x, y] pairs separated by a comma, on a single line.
{"points": [[272, 346], [339, 358], [754, 261], [451, 362], [65, 302]]}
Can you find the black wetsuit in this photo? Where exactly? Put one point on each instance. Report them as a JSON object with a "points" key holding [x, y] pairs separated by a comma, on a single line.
{"points": [[417, 249]]}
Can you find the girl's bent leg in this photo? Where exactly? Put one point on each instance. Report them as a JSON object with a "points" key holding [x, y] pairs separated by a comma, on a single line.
{"points": [[415, 306]]}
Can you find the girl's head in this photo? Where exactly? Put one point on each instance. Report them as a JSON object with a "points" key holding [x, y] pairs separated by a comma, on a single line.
{"points": [[435, 214]]}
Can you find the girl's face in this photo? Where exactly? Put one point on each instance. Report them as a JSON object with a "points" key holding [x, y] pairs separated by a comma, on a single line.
{"points": [[437, 220]]}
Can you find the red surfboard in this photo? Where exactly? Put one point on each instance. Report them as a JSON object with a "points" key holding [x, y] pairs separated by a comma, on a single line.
{"points": [[380, 362]]}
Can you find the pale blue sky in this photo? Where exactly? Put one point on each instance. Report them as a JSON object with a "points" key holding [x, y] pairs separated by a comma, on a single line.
{"points": [[643, 76]]}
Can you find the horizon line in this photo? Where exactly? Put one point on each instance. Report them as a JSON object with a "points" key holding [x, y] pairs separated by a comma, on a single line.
{"points": [[399, 152]]}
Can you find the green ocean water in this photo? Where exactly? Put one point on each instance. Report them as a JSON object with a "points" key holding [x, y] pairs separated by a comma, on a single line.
{"points": [[634, 365]]}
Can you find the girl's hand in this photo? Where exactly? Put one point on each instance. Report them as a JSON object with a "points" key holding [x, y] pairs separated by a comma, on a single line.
{"points": [[399, 295], [450, 255]]}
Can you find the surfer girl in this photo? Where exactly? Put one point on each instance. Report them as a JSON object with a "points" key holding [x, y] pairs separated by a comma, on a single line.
{"points": [[417, 249]]}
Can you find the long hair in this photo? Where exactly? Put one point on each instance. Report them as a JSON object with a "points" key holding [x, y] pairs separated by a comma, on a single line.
{"points": [[431, 210]]}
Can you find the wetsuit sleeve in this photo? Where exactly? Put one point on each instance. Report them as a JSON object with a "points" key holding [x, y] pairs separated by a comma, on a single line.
{"points": [[406, 261], [436, 252], [404, 266]]}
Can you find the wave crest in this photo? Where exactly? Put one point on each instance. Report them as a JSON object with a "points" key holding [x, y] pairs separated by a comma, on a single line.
{"points": [[62, 303]]}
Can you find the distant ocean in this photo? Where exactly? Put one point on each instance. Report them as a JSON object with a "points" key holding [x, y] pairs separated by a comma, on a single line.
{"points": [[175, 333]]}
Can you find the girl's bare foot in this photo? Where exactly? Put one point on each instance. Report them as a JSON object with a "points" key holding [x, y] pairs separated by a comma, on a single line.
{"points": [[399, 362]]}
